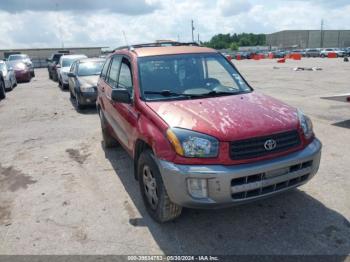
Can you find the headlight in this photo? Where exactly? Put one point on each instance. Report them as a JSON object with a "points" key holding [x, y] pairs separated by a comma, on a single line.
{"points": [[306, 125], [189, 143], [87, 89], [21, 66]]}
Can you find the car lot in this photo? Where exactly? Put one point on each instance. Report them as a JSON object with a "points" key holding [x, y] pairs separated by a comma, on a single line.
{"points": [[62, 193]]}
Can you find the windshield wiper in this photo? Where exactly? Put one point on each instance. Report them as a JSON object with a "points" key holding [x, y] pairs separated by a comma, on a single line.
{"points": [[168, 93], [219, 93]]}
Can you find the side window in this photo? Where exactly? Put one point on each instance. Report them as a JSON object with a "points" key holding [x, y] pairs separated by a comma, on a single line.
{"points": [[125, 76], [114, 72], [105, 69]]}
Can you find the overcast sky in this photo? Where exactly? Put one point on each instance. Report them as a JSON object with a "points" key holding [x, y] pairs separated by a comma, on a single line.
{"points": [[43, 23]]}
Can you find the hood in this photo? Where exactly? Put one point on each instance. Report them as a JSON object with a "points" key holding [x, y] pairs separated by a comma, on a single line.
{"points": [[15, 65], [88, 80], [229, 117], [65, 69]]}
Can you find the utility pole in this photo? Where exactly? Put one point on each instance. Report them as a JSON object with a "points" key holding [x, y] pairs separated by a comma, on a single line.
{"points": [[322, 34], [198, 39], [192, 28]]}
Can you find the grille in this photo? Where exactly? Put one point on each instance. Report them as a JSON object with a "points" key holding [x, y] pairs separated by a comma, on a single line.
{"points": [[271, 181], [254, 147]]}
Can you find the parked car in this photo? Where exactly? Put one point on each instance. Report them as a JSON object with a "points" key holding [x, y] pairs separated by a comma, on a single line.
{"points": [[346, 51], [21, 70], [278, 53], [8, 76], [312, 52], [63, 68], [23, 58], [82, 81], [53, 61], [199, 135], [326, 51], [2, 87]]}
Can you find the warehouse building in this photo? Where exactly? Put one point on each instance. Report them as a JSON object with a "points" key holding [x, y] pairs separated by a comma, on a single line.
{"points": [[309, 39], [39, 55]]}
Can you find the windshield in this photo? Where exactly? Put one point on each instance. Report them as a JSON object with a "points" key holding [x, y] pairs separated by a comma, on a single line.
{"points": [[17, 57], [187, 76], [67, 62], [90, 68]]}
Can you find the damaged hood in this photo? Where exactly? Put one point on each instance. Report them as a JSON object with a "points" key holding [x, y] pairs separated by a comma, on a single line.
{"points": [[231, 117]]}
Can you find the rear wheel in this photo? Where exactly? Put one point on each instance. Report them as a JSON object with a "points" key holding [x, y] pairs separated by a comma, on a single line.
{"points": [[108, 140], [2, 90], [155, 197]]}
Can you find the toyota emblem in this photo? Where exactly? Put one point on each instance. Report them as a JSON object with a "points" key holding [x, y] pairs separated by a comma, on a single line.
{"points": [[270, 144]]}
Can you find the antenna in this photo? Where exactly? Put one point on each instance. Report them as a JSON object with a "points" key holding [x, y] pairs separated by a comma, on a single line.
{"points": [[125, 39]]}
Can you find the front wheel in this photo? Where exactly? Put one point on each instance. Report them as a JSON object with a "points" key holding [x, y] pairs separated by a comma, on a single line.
{"points": [[2, 90], [155, 197]]}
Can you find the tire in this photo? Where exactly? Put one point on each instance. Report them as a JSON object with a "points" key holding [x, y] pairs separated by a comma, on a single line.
{"points": [[155, 197], [32, 74], [50, 76], [2, 89], [71, 94], [77, 104], [108, 140]]}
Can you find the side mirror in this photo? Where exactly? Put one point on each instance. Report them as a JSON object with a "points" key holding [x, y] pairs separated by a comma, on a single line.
{"points": [[121, 95], [58, 66], [48, 60], [70, 74], [10, 68]]}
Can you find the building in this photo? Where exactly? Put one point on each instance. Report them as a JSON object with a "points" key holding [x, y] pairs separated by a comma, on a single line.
{"points": [[309, 39], [39, 55]]}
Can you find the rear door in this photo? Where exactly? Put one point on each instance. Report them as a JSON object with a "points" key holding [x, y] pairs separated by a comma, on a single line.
{"points": [[102, 84], [105, 89]]}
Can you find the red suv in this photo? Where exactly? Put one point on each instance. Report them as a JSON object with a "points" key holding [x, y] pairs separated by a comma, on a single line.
{"points": [[199, 135]]}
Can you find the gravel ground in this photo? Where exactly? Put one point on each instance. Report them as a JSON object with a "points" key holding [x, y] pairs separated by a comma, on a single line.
{"points": [[61, 193]]}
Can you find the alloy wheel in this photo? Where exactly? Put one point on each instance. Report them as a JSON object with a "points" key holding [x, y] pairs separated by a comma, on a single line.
{"points": [[150, 186]]}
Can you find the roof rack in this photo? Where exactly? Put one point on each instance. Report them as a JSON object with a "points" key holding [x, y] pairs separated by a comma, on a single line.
{"points": [[157, 44]]}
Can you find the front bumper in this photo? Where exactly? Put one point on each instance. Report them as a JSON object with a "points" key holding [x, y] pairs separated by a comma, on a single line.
{"points": [[22, 75], [232, 185], [87, 98]]}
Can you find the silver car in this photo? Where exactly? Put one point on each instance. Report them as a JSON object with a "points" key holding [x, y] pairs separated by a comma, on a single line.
{"points": [[63, 68], [14, 59], [8, 76]]}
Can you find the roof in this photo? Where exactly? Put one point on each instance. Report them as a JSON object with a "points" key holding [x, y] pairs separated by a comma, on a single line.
{"points": [[84, 60], [74, 56], [171, 50]]}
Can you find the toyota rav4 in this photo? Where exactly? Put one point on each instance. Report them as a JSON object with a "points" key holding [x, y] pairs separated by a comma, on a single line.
{"points": [[199, 135]]}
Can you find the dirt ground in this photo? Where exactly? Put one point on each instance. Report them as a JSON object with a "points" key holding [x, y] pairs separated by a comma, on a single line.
{"points": [[62, 193]]}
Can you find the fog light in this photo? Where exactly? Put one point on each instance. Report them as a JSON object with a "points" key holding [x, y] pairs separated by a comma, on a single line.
{"points": [[198, 188]]}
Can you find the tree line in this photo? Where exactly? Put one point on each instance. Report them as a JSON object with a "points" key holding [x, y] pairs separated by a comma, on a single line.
{"points": [[233, 41]]}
